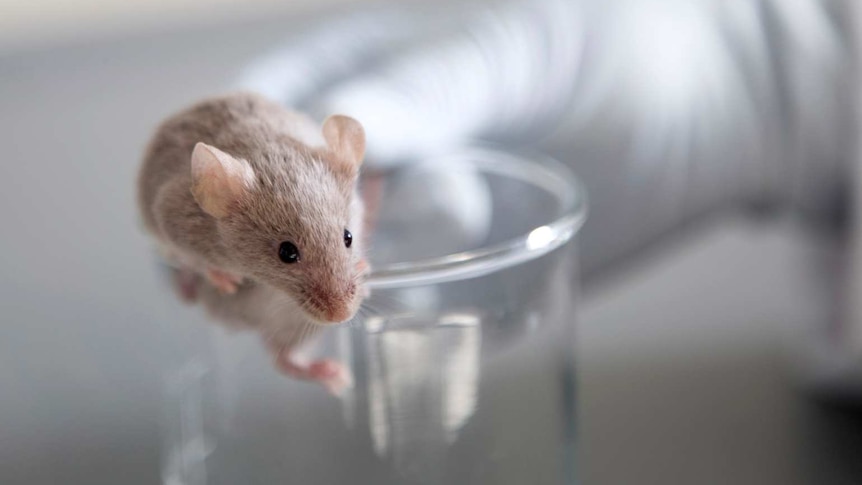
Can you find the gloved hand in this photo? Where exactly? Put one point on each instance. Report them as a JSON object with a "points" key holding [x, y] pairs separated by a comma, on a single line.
{"points": [[667, 110]]}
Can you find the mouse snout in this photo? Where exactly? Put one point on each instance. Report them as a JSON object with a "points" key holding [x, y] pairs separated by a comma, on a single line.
{"points": [[333, 304]]}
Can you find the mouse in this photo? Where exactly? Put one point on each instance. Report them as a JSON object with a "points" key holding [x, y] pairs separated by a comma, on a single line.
{"points": [[238, 190]]}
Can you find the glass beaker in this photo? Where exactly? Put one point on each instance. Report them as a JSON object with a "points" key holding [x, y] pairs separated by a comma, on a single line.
{"points": [[461, 361]]}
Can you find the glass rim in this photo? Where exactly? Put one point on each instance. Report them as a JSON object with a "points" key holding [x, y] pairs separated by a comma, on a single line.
{"points": [[538, 170]]}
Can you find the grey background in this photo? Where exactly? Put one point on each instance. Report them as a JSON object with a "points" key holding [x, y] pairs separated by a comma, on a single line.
{"points": [[687, 370]]}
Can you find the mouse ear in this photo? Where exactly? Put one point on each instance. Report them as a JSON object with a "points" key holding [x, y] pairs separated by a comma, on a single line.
{"points": [[345, 139], [218, 179]]}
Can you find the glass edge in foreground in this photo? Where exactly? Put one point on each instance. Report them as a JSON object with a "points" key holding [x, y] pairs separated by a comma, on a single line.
{"points": [[539, 170]]}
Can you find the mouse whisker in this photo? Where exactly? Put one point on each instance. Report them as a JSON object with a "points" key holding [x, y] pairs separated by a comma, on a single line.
{"points": [[365, 312], [387, 304], [305, 331]]}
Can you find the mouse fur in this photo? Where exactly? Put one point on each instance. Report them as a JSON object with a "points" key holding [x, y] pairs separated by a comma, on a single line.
{"points": [[224, 182]]}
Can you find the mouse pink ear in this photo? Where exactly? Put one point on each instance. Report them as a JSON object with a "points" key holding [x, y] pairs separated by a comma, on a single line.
{"points": [[218, 179], [345, 139]]}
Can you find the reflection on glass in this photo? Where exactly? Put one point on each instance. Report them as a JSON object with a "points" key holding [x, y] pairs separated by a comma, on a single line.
{"points": [[430, 369]]}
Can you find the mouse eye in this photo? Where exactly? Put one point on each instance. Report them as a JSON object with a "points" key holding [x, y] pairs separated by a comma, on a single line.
{"points": [[348, 238], [288, 252]]}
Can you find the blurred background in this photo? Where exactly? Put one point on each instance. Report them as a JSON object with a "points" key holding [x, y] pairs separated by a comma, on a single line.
{"points": [[718, 340]]}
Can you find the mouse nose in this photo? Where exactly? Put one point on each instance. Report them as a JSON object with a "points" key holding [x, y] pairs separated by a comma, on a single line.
{"points": [[334, 305], [339, 314]]}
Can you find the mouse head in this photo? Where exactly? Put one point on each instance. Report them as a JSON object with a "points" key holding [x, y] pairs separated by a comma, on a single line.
{"points": [[288, 216]]}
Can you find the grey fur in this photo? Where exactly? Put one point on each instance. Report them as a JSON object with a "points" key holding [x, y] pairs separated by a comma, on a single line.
{"points": [[302, 191]]}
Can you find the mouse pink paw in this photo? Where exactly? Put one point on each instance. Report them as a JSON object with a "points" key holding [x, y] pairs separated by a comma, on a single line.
{"points": [[223, 281], [332, 375]]}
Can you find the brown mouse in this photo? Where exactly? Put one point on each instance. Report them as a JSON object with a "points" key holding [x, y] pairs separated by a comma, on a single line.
{"points": [[238, 188]]}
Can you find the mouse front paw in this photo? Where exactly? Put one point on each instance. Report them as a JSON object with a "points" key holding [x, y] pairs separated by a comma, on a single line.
{"points": [[332, 375], [223, 281]]}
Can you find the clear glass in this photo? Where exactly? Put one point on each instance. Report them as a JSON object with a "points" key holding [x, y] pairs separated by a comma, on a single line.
{"points": [[461, 360]]}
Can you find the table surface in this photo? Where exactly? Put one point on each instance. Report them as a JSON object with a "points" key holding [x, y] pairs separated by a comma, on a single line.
{"points": [[687, 372]]}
